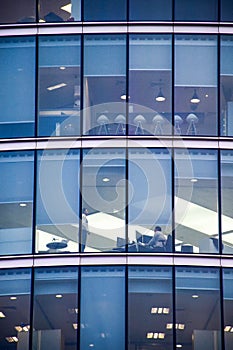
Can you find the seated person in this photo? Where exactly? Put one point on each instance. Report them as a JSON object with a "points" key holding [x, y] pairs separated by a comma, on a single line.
{"points": [[158, 241]]}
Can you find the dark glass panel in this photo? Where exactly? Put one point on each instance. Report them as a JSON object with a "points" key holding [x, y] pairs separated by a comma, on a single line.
{"points": [[198, 10], [55, 308], [24, 12], [226, 11], [228, 307], [150, 308], [197, 308], [150, 10], [104, 10], [102, 308], [15, 291]]}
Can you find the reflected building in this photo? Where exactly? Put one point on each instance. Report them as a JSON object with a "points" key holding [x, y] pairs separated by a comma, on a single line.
{"points": [[124, 108]]}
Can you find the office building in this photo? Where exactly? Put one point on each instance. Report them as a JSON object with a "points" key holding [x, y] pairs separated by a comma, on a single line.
{"points": [[116, 118]]}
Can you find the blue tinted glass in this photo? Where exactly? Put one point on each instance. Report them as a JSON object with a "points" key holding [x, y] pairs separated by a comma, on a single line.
{"points": [[57, 201], [103, 195], [102, 308], [150, 200], [228, 307], [196, 201], [150, 307], [226, 200], [104, 85], [55, 308], [150, 82], [104, 10], [59, 11], [199, 10], [196, 85], [15, 290], [16, 197], [59, 85], [198, 308], [226, 81], [150, 10], [17, 89], [226, 11]]}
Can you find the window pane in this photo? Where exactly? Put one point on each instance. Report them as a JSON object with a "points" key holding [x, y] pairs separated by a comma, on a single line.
{"points": [[227, 194], [150, 308], [199, 10], [57, 216], [24, 12], [104, 84], [103, 194], [196, 85], [228, 307], [59, 85], [59, 11], [16, 197], [104, 10], [198, 308], [17, 67], [102, 308], [55, 308], [150, 10], [196, 201], [150, 84], [149, 199], [226, 81], [15, 289], [226, 11]]}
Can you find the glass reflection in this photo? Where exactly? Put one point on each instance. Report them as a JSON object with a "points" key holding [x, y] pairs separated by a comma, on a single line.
{"points": [[113, 10], [195, 85], [59, 11], [226, 82], [159, 10], [150, 200], [150, 85], [57, 216], [102, 308], [226, 200], [15, 289], [103, 195], [59, 85], [17, 88], [55, 308], [197, 308], [16, 199], [228, 307], [150, 308], [104, 85], [196, 215], [25, 12]]}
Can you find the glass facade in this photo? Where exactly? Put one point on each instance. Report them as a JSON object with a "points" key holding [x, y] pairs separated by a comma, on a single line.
{"points": [[116, 175]]}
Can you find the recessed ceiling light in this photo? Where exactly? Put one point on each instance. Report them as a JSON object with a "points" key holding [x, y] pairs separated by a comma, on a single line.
{"points": [[41, 20], [75, 326], [62, 68], [22, 204], [105, 179], [195, 296], [2, 315], [59, 296], [12, 339], [206, 95], [66, 8], [160, 310], [57, 86], [193, 180], [178, 345], [13, 298]]}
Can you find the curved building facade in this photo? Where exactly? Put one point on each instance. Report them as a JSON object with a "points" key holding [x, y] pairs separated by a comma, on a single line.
{"points": [[116, 175]]}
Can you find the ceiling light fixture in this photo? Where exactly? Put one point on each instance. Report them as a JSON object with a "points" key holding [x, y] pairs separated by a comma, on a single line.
{"points": [[57, 86], [75, 326], [160, 97], [160, 310], [195, 98], [12, 339], [105, 179], [13, 298], [2, 315], [59, 296], [22, 204], [195, 296]]}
